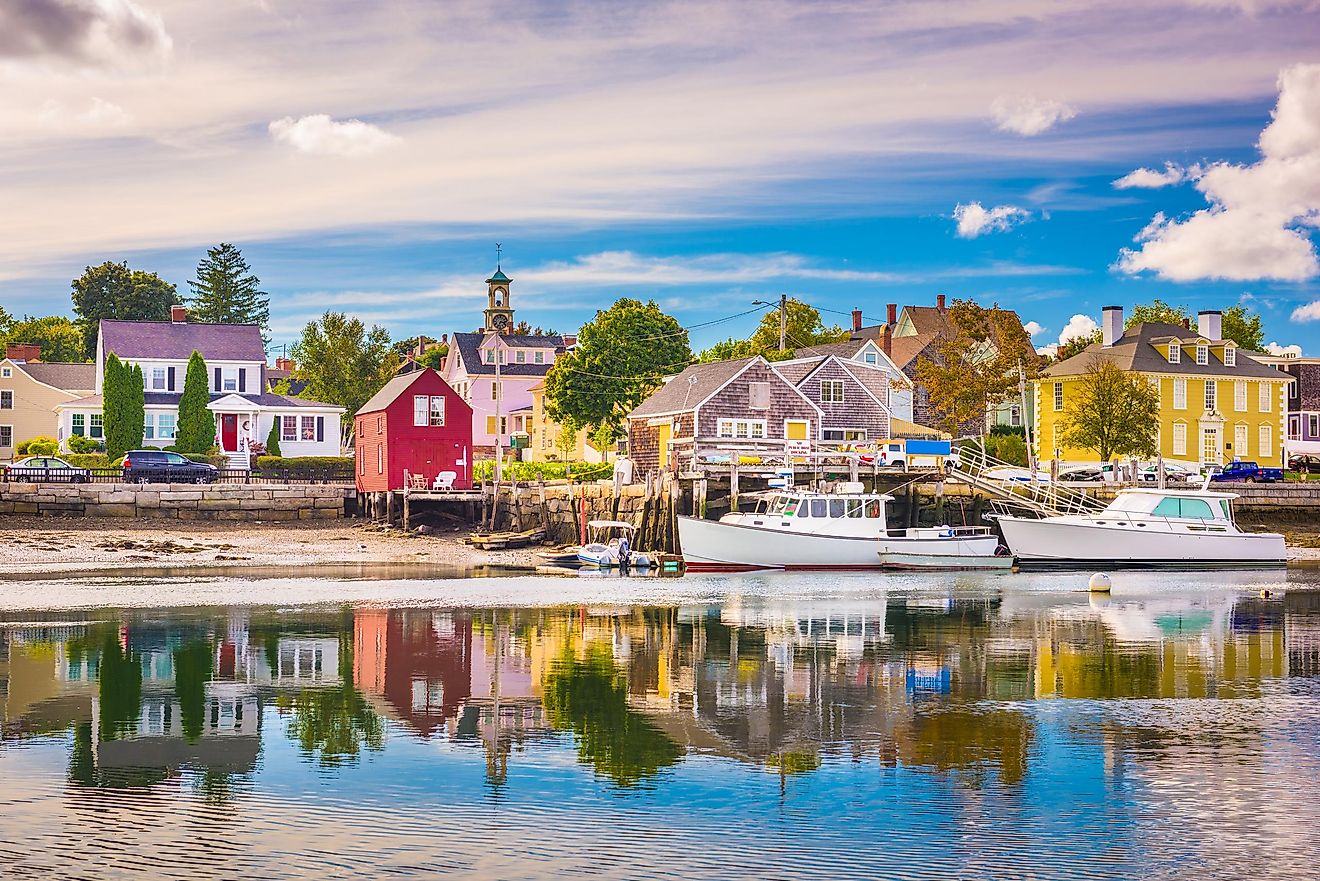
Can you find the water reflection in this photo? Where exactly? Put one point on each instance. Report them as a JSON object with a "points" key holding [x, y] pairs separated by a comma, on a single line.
{"points": [[973, 691]]}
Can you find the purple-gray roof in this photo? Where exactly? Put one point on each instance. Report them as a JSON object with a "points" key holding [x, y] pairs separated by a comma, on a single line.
{"points": [[178, 340], [469, 344]]}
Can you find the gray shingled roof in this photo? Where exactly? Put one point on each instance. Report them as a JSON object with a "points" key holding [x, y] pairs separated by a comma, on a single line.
{"points": [[469, 347], [845, 349], [796, 371], [391, 390], [1137, 351], [62, 375], [694, 385], [167, 339]]}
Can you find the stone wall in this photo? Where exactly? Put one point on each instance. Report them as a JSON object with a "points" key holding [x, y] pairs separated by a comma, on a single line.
{"points": [[177, 501], [520, 509]]}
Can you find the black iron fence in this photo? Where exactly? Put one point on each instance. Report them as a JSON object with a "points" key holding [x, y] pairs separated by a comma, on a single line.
{"points": [[287, 476]]}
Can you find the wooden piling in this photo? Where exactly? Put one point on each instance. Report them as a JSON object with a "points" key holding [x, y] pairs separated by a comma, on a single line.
{"points": [[733, 486], [407, 510]]}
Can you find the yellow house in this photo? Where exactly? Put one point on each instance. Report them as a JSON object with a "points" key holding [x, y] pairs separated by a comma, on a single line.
{"points": [[29, 393], [544, 434], [1217, 403]]}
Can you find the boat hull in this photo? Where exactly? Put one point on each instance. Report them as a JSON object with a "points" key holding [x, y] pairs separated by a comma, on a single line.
{"points": [[709, 545], [1062, 542]]}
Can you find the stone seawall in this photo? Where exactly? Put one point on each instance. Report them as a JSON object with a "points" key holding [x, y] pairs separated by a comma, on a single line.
{"points": [[178, 501]]}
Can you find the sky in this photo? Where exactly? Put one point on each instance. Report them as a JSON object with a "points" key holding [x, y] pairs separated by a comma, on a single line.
{"points": [[1051, 156]]}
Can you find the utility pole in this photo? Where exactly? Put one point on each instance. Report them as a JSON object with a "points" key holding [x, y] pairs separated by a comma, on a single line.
{"points": [[499, 396], [783, 319], [1026, 423]]}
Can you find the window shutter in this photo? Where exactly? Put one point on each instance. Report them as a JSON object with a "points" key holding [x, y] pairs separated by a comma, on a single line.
{"points": [[217, 379], [242, 379], [320, 428], [169, 382]]}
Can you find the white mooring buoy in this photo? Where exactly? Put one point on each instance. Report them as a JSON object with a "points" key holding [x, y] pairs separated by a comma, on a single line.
{"points": [[1099, 583]]}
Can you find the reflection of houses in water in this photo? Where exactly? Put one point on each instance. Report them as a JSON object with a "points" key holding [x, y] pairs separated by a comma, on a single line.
{"points": [[226, 737], [418, 664]]}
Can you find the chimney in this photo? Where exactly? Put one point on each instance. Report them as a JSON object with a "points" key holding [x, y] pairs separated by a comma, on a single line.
{"points": [[1210, 324], [1187, 324], [1111, 325], [886, 340], [178, 314], [891, 313], [284, 364], [23, 352], [857, 320], [939, 302]]}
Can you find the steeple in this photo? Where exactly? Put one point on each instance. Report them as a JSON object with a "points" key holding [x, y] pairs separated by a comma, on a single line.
{"points": [[499, 314]]}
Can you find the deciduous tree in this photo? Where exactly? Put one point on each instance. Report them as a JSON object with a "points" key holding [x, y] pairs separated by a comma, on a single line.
{"points": [[622, 355], [343, 363], [226, 291], [975, 365], [112, 290], [803, 328], [1113, 413], [60, 338], [196, 428]]}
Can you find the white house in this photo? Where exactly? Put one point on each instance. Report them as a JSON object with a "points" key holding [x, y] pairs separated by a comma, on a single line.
{"points": [[235, 359]]}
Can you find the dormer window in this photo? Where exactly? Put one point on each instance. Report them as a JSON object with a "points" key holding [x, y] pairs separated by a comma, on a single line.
{"points": [[1202, 354], [1175, 353], [490, 356], [1230, 356]]}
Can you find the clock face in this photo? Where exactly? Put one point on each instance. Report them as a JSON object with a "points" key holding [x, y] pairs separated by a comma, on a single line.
{"points": [[500, 321]]}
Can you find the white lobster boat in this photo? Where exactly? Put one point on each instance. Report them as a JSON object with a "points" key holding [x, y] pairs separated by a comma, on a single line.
{"points": [[843, 530], [1145, 527]]}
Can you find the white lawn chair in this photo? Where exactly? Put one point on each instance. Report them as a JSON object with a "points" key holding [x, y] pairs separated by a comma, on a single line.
{"points": [[445, 480]]}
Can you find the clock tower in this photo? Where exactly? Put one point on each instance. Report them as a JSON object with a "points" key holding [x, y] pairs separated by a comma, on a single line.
{"points": [[499, 314]]}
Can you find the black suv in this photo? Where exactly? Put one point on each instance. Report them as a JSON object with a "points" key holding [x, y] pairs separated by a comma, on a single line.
{"points": [[162, 466]]}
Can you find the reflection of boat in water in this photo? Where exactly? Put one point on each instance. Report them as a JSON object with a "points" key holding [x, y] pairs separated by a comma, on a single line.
{"points": [[1145, 527], [608, 551], [842, 530]]}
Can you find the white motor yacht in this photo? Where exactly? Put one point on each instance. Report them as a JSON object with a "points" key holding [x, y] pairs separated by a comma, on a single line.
{"points": [[842, 530], [1145, 527]]}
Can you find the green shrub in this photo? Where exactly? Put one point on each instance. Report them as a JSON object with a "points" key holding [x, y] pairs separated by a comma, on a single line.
{"points": [[42, 448], [295, 465], [526, 472], [23, 448], [1004, 430], [88, 460], [273, 439], [80, 444]]}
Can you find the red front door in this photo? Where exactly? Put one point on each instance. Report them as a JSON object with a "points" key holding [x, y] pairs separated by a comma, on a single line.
{"points": [[229, 431]]}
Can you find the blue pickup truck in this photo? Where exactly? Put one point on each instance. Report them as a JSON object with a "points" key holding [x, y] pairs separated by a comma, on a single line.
{"points": [[1247, 472]]}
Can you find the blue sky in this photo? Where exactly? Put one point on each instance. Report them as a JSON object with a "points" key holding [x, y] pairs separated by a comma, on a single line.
{"points": [[367, 157]]}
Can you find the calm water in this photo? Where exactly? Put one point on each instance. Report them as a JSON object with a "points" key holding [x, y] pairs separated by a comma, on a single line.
{"points": [[752, 727]]}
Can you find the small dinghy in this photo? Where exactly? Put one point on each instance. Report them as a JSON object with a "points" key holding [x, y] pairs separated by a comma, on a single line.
{"points": [[612, 547]]}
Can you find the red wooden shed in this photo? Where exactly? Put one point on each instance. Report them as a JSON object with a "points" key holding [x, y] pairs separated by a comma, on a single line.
{"points": [[417, 424]]}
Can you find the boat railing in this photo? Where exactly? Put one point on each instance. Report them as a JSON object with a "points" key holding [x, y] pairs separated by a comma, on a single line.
{"points": [[954, 531], [1038, 493], [1140, 519]]}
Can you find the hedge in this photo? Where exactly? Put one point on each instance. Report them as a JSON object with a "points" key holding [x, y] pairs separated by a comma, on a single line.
{"points": [[88, 460], [305, 464], [44, 442], [526, 472]]}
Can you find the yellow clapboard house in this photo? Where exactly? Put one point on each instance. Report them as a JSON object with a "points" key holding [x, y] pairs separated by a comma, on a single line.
{"points": [[1217, 403]]}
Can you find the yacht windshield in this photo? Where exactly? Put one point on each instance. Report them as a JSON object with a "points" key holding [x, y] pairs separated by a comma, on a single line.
{"points": [[1134, 503], [1186, 509]]}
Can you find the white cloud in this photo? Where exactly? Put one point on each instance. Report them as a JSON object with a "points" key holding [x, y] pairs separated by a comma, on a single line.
{"points": [[1033, 327], [1309, 312], [97, 33], [1078, 326], [1027, 115], [1149, 178], [974, 219], [1276, 349], [319, 133], [98, 114], [1257, 225]]}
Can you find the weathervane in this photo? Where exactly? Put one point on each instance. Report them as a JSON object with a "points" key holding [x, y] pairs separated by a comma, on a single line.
{"points": [[498, 251]]}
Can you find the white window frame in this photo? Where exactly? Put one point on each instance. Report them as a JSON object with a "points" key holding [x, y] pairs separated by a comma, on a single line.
{"points": [[1230, 356], [1058, 397], [436, 415], [1211, 396], [10, 429], [846, 435], [834, 385], [1241, 440], [158, 378], [538, 357], [1180, 438], [1265, 445], [520, 356], [307, 428], [1240, 396], [228, 379], [288, 428], [1202, 354], [490, 356], [96, 426], [1265, 397], [380, 458], [148, 426], [1179, 393], [1313, 424], [6, 399], [421, 409], [6, 372], [1174, 353], [742, 429], [161, 421]]}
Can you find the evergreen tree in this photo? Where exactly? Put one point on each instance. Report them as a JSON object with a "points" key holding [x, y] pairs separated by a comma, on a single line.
{"points": [[112, 290], [136, 409], [273, 439], [226, 291], [196, 429], [115, 406]]}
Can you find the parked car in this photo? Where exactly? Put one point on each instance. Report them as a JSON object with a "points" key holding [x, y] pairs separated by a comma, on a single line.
{"points": [[162, 466], [1173, 473], [1247, 472], [1303, 463], [1082, 475], [46, 468]]}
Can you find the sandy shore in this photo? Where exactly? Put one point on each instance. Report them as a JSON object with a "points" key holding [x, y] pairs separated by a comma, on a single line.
{"points": [[30, 545]]}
